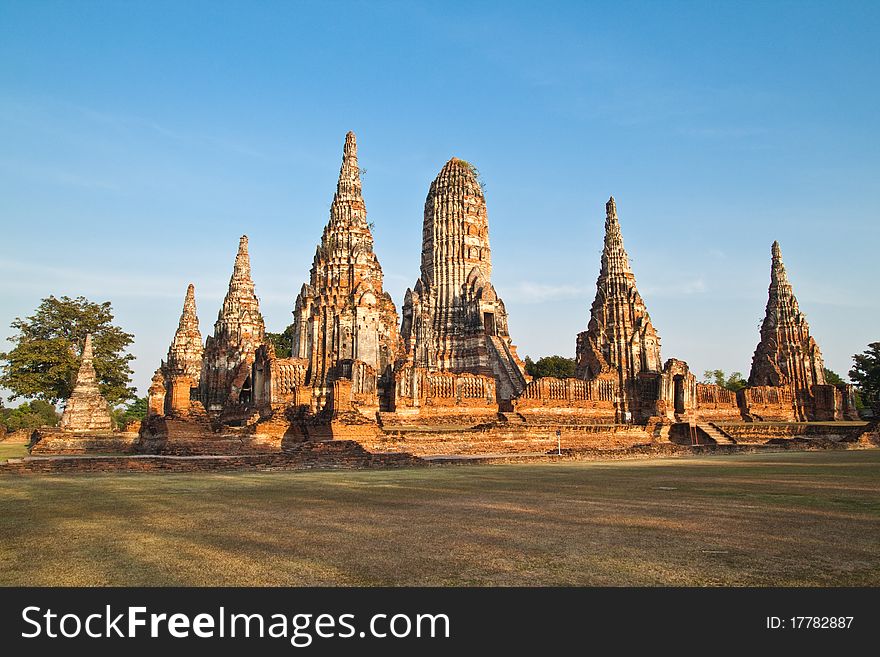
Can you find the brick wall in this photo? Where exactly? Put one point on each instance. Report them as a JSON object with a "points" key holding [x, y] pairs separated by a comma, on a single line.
{"points": [[341, 454]]}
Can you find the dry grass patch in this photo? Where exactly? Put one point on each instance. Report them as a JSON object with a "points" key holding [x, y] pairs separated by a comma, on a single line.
{"points": [[804, 518]]}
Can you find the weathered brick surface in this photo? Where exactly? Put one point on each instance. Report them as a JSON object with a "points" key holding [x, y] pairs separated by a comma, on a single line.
{"points": [[494, 439], [343, 314], [340, 454], [238, 332], [86, 409], [453, 319], [57, 441], [761, 432], [642, 452], [620, 339]]}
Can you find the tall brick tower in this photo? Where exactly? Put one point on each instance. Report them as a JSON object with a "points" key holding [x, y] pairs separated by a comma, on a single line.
{"points": [[786, 355], [238, 332], [620, 336], [452, 318], [343, 314]]}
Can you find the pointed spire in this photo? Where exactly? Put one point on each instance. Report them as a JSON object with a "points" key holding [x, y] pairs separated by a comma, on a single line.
{"points": [[619, 335], [185, 352], [87, 349], [781, 291], [86, 408], [189, 316], [614, 257], [611, 209], [349, 186], [240, 283], [778, 275], [786, 354], [242, 266], [241, 304], [86, 377], [343, 268]]}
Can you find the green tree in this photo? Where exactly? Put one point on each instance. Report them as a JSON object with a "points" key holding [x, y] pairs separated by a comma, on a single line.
{"points": [[866, 374], [558, 366], [134, 410], [283, 342], [30, 415], [44, 362], [734, 382], [832, 377]]}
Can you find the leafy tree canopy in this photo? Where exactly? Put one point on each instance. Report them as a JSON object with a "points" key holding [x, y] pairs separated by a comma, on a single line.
{"points": [[283, 342], [134, 410], [733, 382], [48, 345], [29, 415], [558, 366], [832, 377], [866, 373]]}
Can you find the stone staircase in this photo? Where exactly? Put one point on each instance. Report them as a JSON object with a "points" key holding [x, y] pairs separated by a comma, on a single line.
{"points": [[510, 380], [511, 419], [715, 433]]}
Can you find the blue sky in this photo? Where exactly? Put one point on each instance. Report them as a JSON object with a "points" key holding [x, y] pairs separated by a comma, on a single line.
{"points": [[140, 139]]}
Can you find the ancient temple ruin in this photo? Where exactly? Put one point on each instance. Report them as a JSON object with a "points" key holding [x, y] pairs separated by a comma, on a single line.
{"points": [[449, 381], [453, 320], [620, 337], [787, 354], [86, 409], [226, 384], [175, 386], [787, 379], [345, 324], [622, 345]]}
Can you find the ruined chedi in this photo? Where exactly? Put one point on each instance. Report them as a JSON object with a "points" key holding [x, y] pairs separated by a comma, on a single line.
{"points": [[238, 332], [453, 320], [786, 355], [620, 337], [343, 314], [86, 410], [182, 369]]}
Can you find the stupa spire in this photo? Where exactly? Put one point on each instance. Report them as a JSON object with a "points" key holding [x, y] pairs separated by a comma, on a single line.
{"points": [[343, 314], [453, 319], [185, 352], [614, 257], [238, 332], [786, 354], [86, 409], [620, 336]]}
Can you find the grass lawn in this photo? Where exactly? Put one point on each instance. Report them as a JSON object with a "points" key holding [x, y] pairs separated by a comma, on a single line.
{"points": [[12, 450], [791, 518]]}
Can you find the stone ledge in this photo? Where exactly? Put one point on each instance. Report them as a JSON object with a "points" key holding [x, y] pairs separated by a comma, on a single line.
{"points": [[341, 454]]}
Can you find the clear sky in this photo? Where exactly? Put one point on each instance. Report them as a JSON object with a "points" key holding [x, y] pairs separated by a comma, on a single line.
{"points": [[141, 139]]}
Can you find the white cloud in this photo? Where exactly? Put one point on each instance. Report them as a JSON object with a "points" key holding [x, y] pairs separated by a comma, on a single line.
{"points": [[674, 289], [532, 292]]}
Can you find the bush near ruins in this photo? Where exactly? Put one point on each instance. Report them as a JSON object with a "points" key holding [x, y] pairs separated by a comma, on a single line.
{"points": [[45, 360], [283, 342], [30, 415], [133, 411], [558, 366], [734, 382], [833, 378], [865, 374]]}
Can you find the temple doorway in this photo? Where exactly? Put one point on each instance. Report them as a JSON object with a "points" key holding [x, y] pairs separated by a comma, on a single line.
{"points": [[489, 323], [678, 393], [246, 394]]}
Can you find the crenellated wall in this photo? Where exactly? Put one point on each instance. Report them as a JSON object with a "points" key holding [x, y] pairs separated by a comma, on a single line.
{"points": [[443, 393], [571, 399], [767, 403], [716, 403]]}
